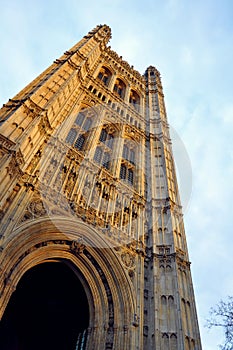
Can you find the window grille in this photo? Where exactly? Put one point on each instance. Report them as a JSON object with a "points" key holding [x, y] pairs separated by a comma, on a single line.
{"points": [[79, 143], [103, 135], [98, 155], [71, 136], [106, 160], [123, 172]]}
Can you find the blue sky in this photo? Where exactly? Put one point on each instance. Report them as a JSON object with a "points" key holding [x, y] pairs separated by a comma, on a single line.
{"points": [[191, 44]]}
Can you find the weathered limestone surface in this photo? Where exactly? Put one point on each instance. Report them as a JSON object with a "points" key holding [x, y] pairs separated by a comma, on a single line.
{"points": [[88, 176]]}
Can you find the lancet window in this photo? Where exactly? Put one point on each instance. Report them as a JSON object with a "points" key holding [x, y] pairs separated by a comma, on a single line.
{"points": [[127, 169], [127, 174], [104, 75], [104, 149], [84, 120], [79, 132], [129, 154], [134, 100], [79, 143], [119, 88], [107, 138], [102, 157]]}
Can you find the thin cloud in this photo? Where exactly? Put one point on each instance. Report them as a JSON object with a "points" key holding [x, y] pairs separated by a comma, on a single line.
{"points": [[191, 44]]}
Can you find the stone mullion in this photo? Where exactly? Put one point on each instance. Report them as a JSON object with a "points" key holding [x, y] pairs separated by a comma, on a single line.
{"points": [[94, 140], [112, 82], [127, 92], [117, 152], [94, 131]]}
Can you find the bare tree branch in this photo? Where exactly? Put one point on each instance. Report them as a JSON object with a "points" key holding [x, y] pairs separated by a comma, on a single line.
{"points": [[222, 316]]}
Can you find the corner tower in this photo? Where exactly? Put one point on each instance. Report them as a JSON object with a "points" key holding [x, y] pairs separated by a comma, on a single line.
{"points": [[88, 180]]}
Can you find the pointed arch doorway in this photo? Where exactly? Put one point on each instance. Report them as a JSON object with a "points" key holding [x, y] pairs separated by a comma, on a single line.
{"points": [[49, 310]]}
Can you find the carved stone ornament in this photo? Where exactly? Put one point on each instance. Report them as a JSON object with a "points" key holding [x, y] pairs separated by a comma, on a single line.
{"points": [[128, 259], [77, 247], [6, 143]]}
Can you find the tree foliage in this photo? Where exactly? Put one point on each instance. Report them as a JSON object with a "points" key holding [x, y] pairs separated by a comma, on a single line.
{"points": [[222, 316]]}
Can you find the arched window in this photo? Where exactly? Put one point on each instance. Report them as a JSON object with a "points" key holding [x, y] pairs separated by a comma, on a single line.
{"points": [[107, 138], [79, 133], [84, 120], [104, 75], [119, 88], [102, 158], [125, 152], [110, 141], [123, 172], [127, 174], [80, 118], [79, 143], [130, 176], [73, 140], [71, 136], [103, 135], [134, 99], [98, 154], [106, 160], [129, 153], [132, 156], [127, 171], [87, 124]]}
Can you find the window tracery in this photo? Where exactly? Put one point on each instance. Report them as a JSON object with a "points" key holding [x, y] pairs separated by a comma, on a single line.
{"points": [[127, 169], [78, 134], [104, 149]]}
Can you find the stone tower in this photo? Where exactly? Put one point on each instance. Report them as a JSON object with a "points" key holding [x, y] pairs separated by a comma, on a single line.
{"points": [[88, 187]]}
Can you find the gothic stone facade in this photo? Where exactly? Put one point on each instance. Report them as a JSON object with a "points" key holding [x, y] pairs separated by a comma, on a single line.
{"points": [[87, 176]]}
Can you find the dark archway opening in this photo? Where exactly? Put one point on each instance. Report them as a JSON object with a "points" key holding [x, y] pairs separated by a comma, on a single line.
{"points": [[49, 310]]}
